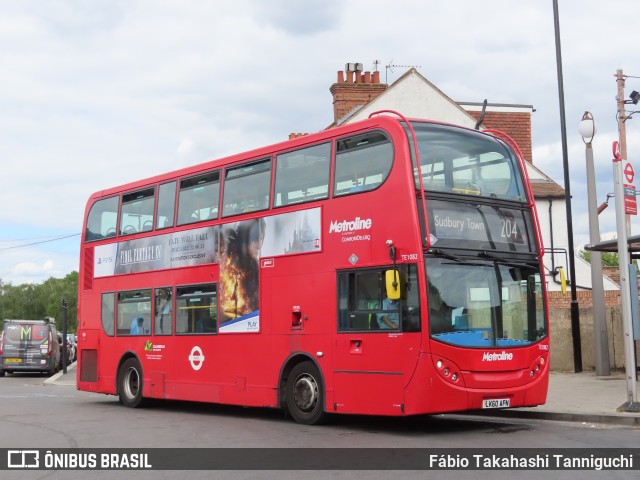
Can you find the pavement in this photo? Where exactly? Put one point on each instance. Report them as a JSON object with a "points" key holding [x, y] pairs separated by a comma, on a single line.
{"points": [[62, 378], [574, 397], [581, 397]]}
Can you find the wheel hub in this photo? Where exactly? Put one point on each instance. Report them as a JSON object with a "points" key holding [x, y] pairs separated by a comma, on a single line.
{"points": [[305, 393], [131, 383]]}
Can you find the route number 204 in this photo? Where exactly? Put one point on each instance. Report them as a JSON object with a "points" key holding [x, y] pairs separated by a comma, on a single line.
{"points": [[509, 229]]}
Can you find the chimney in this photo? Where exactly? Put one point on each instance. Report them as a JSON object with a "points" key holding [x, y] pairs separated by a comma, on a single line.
{"points": [[354, 88], [296, 135]]}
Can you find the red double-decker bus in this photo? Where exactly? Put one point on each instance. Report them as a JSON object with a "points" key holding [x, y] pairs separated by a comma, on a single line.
{"points": [[387, 267]]}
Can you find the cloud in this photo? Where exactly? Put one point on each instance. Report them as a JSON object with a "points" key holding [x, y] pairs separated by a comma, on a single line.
{"points": [[185, 147], [102, 93], [300, 18], [33, 269]]}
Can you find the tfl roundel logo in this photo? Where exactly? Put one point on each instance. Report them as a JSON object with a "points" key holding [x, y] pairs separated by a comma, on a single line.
{"points": [[196, 358]]}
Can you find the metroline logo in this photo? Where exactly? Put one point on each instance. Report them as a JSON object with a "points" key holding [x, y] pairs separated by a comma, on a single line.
{"points": [[496, 357], [350, 226]]}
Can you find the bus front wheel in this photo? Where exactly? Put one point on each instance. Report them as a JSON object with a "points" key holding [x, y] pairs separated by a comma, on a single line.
{"points": [[130, 383], [304, 394]]}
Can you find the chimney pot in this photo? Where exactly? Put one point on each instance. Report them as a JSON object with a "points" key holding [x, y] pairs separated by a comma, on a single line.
{"points": [[367, 77], [349, 75], [340, 76], [376, 77]]}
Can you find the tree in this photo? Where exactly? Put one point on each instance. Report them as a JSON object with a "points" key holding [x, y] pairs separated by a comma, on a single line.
{"points": [[35, 301], [609, 259]]}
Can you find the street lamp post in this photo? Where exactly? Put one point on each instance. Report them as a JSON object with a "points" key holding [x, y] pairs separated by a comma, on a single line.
{"points": [[575, 312], [587, 129]]}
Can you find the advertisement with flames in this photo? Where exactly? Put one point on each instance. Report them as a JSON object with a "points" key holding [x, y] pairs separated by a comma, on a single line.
{"points": [[237, 247]]}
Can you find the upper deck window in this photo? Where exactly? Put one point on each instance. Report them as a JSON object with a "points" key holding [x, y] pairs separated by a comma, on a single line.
{"points": [[198, 198], [303, 175], [166, 205], [246, 188], [363, 162], [465, 162], [137, 211], [102, 219]]}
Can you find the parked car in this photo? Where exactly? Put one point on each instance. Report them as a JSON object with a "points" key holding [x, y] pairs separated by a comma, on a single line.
{"points": [[71, 340], [29, 346], [70, 351]]}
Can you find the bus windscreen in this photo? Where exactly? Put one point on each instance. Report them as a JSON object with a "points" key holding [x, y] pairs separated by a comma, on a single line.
{"points": [[484, 304]]}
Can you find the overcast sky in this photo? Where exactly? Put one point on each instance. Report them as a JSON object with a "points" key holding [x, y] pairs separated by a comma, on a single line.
{"points": [[96, 93]]}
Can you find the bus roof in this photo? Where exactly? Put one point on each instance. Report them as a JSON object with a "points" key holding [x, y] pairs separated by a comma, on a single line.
{"points": [[381, 120]]}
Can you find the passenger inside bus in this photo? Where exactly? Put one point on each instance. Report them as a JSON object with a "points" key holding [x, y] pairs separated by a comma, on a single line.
{"points": [[163, 311], [137, 327]]}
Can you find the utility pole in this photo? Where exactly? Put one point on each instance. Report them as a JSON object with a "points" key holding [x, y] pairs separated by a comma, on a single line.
{"points": [[622, 132]]}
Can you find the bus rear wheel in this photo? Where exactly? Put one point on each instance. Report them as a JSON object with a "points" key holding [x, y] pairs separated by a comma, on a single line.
{"points": [[130, 383], [304, 394]]}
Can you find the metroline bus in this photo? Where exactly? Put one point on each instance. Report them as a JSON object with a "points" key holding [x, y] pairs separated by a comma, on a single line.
{"points": [[387, 267]]}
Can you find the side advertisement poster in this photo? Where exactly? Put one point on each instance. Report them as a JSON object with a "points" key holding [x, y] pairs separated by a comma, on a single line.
{"points": [[237, 247]]}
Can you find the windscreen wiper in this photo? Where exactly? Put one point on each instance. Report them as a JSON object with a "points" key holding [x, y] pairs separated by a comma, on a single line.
{"points": [[448, 256], [506, 261]]}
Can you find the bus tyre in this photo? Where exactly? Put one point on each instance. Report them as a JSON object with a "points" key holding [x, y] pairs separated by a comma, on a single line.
{"points": [[304, 394], [130, 383]]}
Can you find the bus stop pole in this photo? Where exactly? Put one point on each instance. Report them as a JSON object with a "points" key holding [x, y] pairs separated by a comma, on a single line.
{"points": [[64, 336], [631, 405]]}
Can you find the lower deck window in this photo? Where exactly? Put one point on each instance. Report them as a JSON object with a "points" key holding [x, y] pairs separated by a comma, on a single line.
{"points": [[196, 309], [134, 312], [108, 320]]}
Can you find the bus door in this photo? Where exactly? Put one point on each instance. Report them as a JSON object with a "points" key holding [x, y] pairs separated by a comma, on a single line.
{"points": [[377, 344]]}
